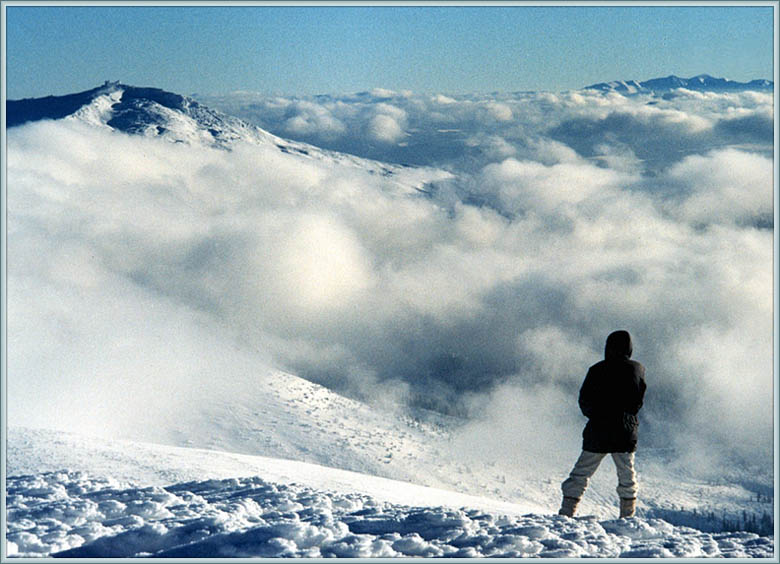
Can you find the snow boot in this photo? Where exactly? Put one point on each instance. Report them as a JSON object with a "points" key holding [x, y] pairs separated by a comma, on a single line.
{"points": [[568, 506], [627, 507]]}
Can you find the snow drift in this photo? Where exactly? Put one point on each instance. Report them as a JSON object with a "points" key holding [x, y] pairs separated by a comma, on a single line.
{"points": [[299, 510], [251, 518]]}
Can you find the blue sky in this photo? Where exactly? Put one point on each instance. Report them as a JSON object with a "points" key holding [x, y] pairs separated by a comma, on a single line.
{"points": [[330, 49]]}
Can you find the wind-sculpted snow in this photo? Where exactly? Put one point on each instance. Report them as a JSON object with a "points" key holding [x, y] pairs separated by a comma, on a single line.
{"points": [[75, 515]]}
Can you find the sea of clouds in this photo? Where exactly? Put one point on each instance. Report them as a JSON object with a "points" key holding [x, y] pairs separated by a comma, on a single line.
{"points": [[141, 270]]}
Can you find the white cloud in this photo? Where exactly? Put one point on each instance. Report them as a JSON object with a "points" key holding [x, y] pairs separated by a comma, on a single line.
{"points": [[528, 185], [549, 152], [382, 93], [727, 185], [581, 214], [500, 111], [540, 422], [313, 119], [308, 263], [492, 147], [387, 124], [444, 100], [572, 353], [385, 128], [642, 131]]}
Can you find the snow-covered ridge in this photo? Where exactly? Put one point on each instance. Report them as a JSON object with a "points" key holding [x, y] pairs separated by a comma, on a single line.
{"points": [[702, 82], [152, 112], [276, 508]]}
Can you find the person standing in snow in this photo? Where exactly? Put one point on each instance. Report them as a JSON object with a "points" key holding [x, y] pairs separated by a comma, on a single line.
{"points": [[610, 397]]}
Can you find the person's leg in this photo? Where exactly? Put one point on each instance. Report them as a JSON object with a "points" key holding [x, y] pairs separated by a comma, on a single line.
{"points": [[624, 463], [574, 486], [627, 486]]}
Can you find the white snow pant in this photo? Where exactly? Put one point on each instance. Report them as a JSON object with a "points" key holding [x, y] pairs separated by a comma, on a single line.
{"points": [[586, 465]]}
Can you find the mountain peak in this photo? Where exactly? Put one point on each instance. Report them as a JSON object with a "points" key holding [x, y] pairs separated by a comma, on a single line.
{"points": [[138, 110], [57, 107]]}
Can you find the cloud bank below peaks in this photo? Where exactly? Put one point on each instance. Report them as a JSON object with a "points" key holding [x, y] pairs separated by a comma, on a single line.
{"points": [[140, 268], [646, 132]]}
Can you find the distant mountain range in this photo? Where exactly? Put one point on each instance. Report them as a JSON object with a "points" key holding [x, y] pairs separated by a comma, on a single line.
{"points": [[702, 82]]}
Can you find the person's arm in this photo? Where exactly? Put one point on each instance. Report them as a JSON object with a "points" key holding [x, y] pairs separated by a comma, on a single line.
{"points": [[587, 398], [638, 391]]}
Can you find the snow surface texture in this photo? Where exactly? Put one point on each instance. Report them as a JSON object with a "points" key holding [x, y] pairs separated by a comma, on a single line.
{"points": [[77, 515]]}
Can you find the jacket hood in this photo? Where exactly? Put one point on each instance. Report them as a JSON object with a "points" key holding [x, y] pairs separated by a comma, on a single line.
{"points": [[618, 345]]}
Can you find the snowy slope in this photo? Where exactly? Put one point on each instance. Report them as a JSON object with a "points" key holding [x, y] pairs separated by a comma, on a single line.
{"points": [[336, 478], [287, 467], [278, 415], [197, 503], [273, 413], [35, 451]]}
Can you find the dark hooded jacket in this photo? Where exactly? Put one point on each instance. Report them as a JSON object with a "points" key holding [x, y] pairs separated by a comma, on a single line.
{"points": [[611, 397]]}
